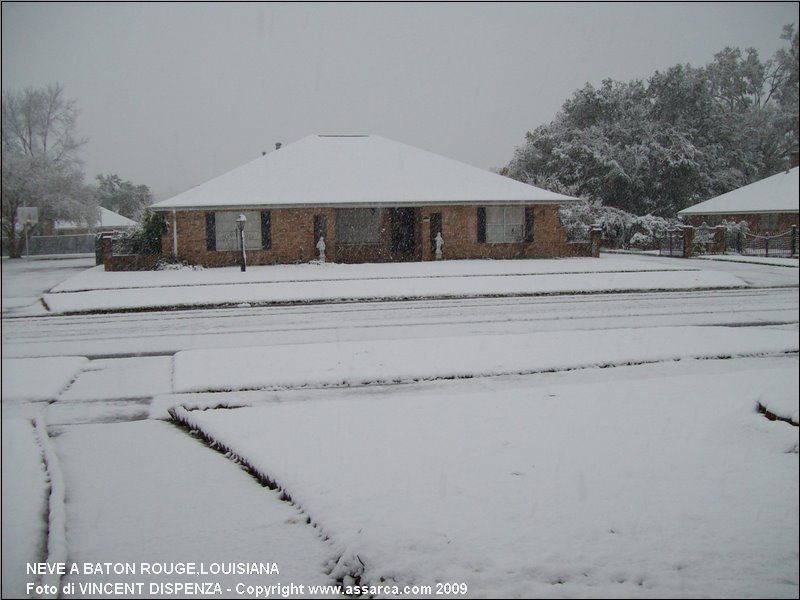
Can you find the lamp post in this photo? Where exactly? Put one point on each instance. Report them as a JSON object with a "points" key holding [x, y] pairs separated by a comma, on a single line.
{"points": [[240, 221]]}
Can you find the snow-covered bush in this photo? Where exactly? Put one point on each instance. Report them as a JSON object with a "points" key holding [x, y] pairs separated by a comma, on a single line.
{"points": [[176, 265], [621, 229], [640, 241]]}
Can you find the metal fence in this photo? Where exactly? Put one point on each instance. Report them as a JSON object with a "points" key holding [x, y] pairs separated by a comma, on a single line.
{"points": [[671, 243], [61, 244], [780, 245]]}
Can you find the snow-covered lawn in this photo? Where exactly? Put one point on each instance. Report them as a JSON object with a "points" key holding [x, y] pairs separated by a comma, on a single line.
{"points": [[758, 260], [30, 379], [368, 289], [24, 503], [119, 378], [98, 279], [381, 361], [24, 280], [147, 492], [662, 482]]}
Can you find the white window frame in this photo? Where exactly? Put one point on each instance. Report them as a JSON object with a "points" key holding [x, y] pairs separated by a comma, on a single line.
{"points": [[227, 233], [505, 224]]}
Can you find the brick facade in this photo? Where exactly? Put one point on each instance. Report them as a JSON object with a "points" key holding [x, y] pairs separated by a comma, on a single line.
{"points": [[292, 238]]}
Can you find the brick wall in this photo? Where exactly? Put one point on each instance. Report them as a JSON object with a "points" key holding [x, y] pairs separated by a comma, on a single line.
{"points": [[292, 232], [460, 235], [783, 222], [293, 238]]}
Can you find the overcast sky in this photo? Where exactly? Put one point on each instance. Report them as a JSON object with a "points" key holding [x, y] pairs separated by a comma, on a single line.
{"points": [[173, 95]]}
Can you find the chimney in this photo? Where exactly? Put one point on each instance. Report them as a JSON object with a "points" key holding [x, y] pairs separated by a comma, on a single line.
{"points": [[263, 153], [278, 145]]}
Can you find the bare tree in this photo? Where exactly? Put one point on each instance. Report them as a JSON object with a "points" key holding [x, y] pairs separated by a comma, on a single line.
{"points": [[40, 160]]}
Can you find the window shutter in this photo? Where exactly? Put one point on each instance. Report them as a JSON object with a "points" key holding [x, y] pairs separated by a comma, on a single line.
{"points": [[266, 230], [481, 225], [211, 231], [528, 224]]}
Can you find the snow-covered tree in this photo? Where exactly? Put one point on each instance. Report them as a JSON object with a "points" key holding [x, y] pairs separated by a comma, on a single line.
{"points": [[685, 135], [122, 196], [40, 163]]}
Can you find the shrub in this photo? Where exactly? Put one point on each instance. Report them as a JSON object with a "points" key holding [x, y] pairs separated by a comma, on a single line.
{"points": [[145, 238]]}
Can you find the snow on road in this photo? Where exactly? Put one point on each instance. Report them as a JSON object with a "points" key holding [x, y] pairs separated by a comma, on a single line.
{"points": [[148, 492], [169, 331], [368, 289], [668, 484], [381, 361], [24, 502]]}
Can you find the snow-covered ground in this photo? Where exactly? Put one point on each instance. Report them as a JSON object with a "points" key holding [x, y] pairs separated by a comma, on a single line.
{"points": [[166, 332], [758, 260], [25, 280], [137, 488], [24, 503], [386, 361], [657, 486], [391, 289], [98, 279], [39, 378], [147, 492]]}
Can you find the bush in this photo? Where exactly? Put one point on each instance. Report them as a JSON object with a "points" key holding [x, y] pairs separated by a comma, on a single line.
{"points": [[145, 238], [621, 229]]}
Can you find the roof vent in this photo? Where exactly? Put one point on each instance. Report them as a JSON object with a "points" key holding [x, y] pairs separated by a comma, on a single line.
{"points": [[278, 145]]}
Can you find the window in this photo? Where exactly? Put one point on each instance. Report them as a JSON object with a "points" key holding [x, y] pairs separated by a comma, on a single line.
{"points": [[505, 224], [226, 232], [358, 226], [768, 222]]}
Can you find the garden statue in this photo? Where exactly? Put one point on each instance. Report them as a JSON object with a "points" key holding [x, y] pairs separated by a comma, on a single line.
{"points": [[321, 248], [439, 245]]}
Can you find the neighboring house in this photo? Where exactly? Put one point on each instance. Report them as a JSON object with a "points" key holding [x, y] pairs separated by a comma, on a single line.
{"points": [[769, 206], [371, 199], [109, 221]]}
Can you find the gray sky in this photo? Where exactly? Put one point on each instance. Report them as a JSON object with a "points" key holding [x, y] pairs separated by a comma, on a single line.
{"points": [[173, 95]]}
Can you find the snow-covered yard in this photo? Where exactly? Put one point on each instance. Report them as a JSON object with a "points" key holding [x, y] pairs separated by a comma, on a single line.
{"points": [[503, 458], [756, 260], [25, 492], [386, 361], [663, 482], [25, 280], [97, 290]]}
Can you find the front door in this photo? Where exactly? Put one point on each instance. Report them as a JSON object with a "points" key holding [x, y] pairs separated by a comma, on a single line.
{"points": [[403, 233]]}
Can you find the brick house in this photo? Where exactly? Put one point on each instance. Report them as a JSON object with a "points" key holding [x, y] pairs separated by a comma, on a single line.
{"points": [[769, 206], [371, 199]]}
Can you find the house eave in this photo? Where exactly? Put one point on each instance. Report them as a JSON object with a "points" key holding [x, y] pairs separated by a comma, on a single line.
{"points": [[363, 204]]}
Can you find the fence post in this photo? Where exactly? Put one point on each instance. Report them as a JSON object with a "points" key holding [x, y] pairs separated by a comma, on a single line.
{"points": [[720, 243], [794, 240], [688, 241], [739, 241]]}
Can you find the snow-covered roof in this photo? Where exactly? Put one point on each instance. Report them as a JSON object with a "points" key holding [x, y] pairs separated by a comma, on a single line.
{"points": [[778, 193], [108, 218], [355, 170]]}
